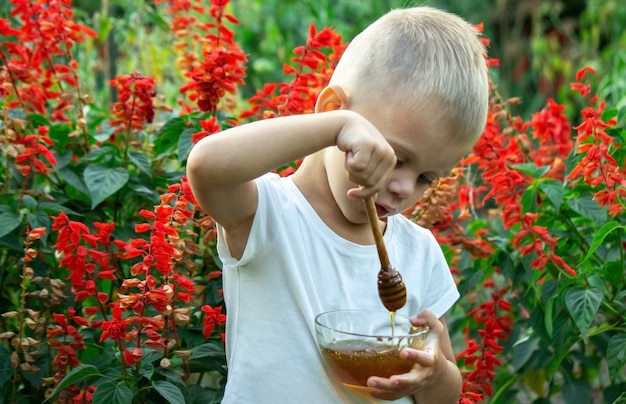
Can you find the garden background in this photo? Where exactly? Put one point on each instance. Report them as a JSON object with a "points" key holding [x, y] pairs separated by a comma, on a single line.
{"points": [[110, 286]]}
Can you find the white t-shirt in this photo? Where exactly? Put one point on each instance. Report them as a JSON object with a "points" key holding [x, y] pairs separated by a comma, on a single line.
{"points": [[294, 267]]}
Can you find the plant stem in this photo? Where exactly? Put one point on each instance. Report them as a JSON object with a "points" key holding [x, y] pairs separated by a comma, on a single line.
{"points": [[21, 311]]}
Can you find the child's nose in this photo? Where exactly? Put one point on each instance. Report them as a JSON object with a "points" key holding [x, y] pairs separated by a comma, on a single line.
{"points": [[402, 187]]}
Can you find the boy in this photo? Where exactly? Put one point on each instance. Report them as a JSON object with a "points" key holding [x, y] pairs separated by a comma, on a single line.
{"points": [[406, 102]]}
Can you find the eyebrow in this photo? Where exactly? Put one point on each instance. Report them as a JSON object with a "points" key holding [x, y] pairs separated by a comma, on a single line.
{"points": [[404, 151]]}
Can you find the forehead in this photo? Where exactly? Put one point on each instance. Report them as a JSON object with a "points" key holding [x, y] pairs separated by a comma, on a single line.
{"points": [[422, 136]]}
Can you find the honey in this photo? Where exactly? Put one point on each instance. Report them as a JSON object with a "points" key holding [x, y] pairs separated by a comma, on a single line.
{"points": [[352, 362]]}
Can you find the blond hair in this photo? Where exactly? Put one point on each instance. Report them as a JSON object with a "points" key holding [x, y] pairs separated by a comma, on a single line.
{"points": [[425, 58]]}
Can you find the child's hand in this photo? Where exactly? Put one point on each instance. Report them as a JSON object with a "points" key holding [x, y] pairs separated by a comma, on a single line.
{"points": [[430, 363], [369, 158]]}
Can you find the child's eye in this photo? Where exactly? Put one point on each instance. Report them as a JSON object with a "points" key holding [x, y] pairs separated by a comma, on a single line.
{"points": [[424, 179]]}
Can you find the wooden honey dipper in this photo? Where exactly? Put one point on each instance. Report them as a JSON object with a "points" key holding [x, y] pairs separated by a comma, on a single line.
{"points": [[391, 289]]}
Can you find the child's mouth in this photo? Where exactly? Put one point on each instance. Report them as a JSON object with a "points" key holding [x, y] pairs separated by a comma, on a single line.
{"points": [[382, 212]]}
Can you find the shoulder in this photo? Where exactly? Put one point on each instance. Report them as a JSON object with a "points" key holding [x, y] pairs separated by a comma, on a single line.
{"points": [[275, 192]]}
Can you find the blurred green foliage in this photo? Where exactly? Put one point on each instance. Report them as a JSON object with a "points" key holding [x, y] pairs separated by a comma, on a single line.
{"points": [[540, 43]]}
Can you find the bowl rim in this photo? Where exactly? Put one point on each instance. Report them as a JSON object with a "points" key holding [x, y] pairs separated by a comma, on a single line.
{"points": [[419, 331]]}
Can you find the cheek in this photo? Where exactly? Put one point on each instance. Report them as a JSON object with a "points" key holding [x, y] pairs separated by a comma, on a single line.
{"points": [[336, 173], [420, 190]]}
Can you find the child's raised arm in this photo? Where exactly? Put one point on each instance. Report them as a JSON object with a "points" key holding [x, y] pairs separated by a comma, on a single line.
{"points": [[221, 167]]}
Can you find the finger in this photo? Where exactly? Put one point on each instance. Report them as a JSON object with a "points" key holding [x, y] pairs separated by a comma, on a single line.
{"points": [[362, 192], [374, 161], [428, 354], [425, 357], [427, 318], [397, 385], [367, 186], [366, 170]]}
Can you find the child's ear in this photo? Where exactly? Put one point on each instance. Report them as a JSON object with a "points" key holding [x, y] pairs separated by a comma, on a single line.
{"points": [[331, 98]]}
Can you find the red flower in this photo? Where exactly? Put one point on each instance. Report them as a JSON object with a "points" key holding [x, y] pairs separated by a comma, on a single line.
{"points": [[553, 131], [31, 150], [116, 328], [220, 72], [81, 255], [221, 67], [66, 341], [598, 168], [212, 316], [479, 360], [209, 127], [134, 107], [498, 151], [313, 71]]}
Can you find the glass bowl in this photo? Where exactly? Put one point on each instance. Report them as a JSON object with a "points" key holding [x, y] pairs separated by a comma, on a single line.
{"points": [[357, 344]]}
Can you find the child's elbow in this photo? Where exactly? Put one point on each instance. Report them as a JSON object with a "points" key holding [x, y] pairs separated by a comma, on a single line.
{"points": [[198, 172], [194, 166]]}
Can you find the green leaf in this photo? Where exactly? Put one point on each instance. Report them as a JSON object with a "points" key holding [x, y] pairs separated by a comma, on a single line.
{"points": [[9, 221], [103, 132], [38, 120], [167, 137], [185, 144], [172, 375], [51, 207], [554, 191], [523, 350], [576, 391], [198, 395], [82, 372], [207, 350], [621, 114], [146, 192], [587, 207], [150, 356], [59, 134], [104, 26], [113, 393], [169, 392], [147, 370], [74, 180], [613, 272], [469, 278], [29, 202], [599, 237], [583, 304], [548, 317], [104, 152], [6, 372], [531, 169], [141, 161], [103, 182], [529, 200], [572, 160], [38, 219], [616, 354], [609, 113]]}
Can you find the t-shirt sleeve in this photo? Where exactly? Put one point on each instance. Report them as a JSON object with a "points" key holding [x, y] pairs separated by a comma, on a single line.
{"points": [[266, 188], [442, 292]]}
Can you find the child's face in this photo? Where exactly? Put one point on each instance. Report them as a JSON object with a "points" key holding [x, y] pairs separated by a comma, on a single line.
{"points": [[424, 149]]}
